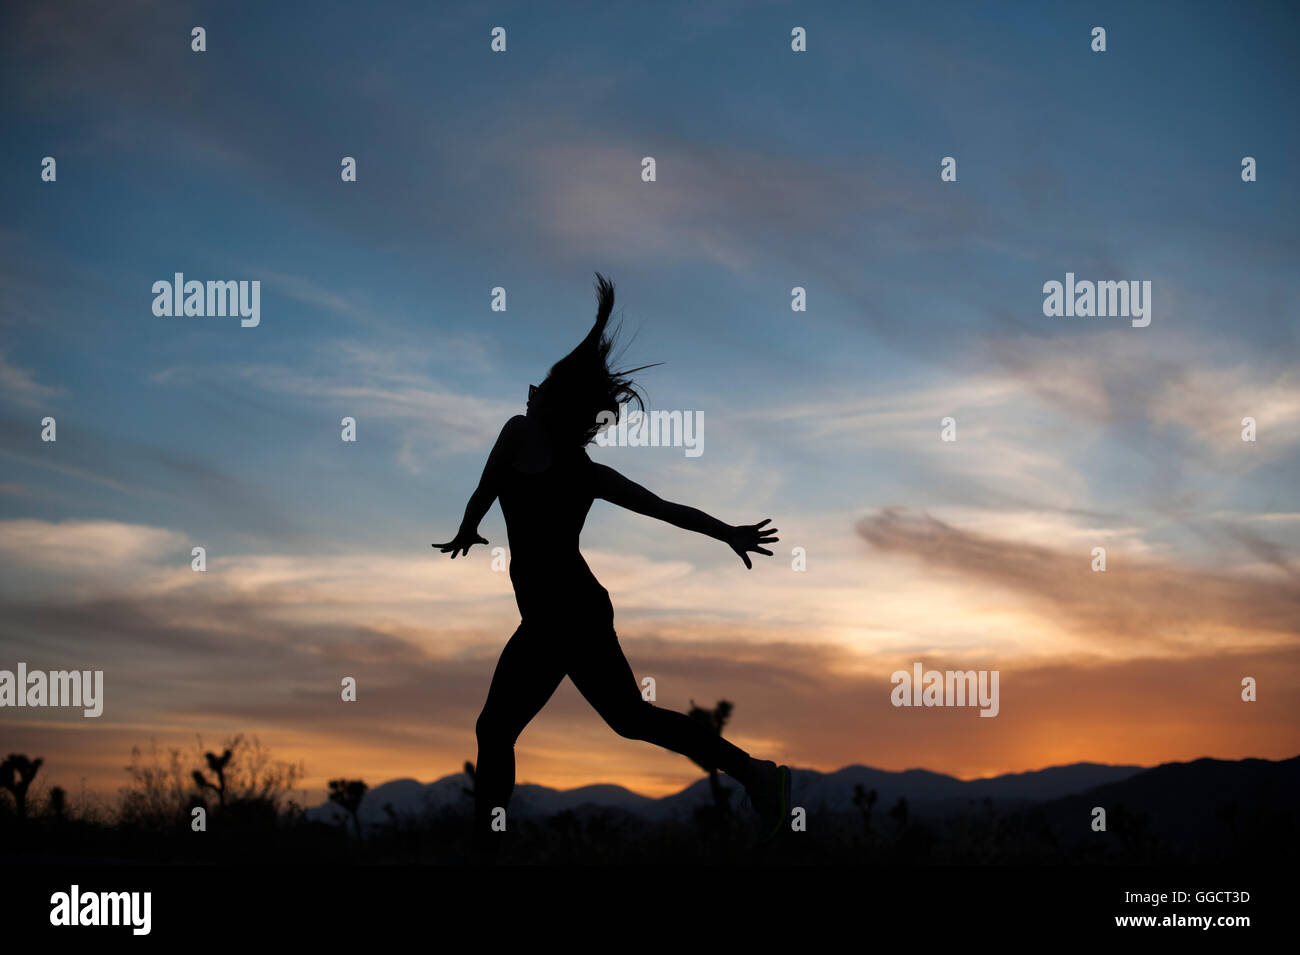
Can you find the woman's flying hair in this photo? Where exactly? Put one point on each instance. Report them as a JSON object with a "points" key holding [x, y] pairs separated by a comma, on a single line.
{"points": [[581, 385]]}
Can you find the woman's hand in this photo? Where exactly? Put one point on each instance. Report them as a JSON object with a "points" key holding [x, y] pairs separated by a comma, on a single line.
{"points": [[747, 537], [461, 543]]}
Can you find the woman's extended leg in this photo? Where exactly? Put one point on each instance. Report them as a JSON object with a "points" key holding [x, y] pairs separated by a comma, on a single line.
{"points": [[529, 670], [602, 674]]}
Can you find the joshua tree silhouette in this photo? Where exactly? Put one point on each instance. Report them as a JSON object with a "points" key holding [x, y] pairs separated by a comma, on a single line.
{"points": [[864, 801], [218, 766], [715, 719], [16, 775], [348, 793]]}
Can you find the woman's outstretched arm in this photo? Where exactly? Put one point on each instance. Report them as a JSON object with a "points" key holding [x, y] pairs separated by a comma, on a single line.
{"points": [[486, 492], [615, 488]]}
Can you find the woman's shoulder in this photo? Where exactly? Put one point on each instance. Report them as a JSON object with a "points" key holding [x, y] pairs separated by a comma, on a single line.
{"points": [[512, 436], [515, 425]]}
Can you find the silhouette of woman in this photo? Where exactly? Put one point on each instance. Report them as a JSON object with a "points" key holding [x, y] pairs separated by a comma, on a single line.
{"points": [[540, 471]]}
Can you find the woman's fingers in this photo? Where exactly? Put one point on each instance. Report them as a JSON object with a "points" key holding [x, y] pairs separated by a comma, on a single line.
{"points": [[459, 548]]}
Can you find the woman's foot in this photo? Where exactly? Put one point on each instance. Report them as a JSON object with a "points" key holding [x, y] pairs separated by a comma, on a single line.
{"points": [[769, 794]]}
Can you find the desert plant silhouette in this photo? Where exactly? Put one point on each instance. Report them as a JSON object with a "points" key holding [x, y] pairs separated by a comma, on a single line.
{"points": [[540, 472], [217, 765], [348, 793], [152, 824], [58, 803], [248, 784], [899, 813], [715, 719], [864, 802], [16, 775]]}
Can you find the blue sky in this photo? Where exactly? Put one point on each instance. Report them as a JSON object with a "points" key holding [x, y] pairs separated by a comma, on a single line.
{"points": [[521, 170]]}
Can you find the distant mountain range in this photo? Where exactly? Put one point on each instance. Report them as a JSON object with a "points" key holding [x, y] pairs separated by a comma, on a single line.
{"points": [[1208, 804], [1207, 810], [926, 793]]}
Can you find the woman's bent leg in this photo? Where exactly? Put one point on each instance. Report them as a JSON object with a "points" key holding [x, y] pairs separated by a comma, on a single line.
{"points": [[526, 675], [602, 674]]}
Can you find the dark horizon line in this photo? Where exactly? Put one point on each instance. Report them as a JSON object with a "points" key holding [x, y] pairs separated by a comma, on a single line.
{"points": [[892, 772]]}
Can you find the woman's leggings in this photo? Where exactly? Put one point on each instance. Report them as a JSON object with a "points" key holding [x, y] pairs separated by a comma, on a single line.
{"points": [[532, 665]]}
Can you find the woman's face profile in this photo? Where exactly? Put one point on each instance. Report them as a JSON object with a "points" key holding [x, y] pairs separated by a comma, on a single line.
{"points": [[536, 400]]}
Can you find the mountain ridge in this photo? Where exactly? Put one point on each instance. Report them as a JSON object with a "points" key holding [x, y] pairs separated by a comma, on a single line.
{"points": [[922, 789]]}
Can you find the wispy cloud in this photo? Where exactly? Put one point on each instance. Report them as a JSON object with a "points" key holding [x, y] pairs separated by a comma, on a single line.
{"points": [[398, 388], [1134, 603], [1211, 403], [924, 303], [20, 385]]}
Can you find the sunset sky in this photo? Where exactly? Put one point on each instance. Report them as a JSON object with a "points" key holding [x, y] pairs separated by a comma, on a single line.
{"points": [[774, 170]]}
